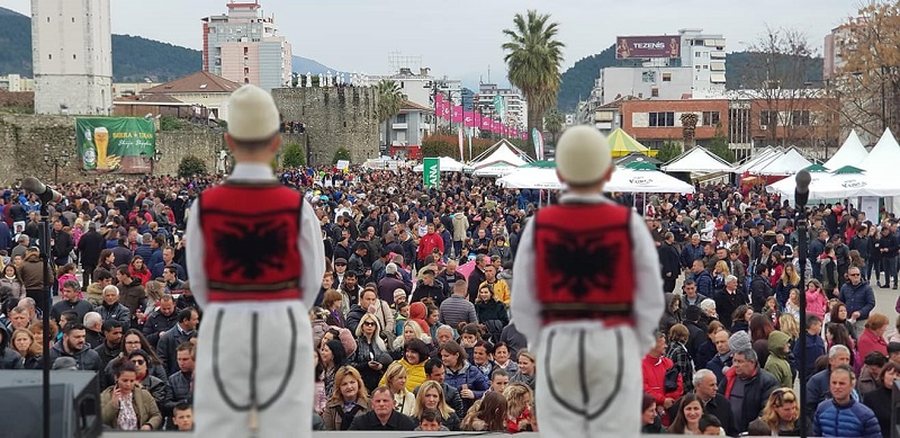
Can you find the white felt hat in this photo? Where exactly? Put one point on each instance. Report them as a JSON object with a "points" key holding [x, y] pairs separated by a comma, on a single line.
{"points": [[582, 155], [252, 115]]}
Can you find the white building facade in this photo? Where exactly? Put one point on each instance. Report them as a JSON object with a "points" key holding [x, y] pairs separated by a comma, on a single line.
{"points": [[72, 57], [698, 73], [15, 83], [244, 46], [514, 107]]}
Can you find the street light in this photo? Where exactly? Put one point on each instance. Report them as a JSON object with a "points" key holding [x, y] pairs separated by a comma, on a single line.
{"points": [[51, 158]]}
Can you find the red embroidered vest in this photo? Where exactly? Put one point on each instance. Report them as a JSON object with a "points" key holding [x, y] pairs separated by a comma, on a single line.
{"points": [[250, 234], [583, 263]]}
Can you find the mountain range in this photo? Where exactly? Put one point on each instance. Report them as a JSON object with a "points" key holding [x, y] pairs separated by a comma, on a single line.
{"points": [[134, 58], [578, 80]]}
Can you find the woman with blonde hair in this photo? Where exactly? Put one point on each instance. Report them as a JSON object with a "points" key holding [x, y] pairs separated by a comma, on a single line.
{"points": [[720, 273], [527, 362], [371, 358], [395, 377], [789, 280], [788, 324], [411, 330], [779, 417], [349, 400], [519, 407], [22, 341], [431, 396]]}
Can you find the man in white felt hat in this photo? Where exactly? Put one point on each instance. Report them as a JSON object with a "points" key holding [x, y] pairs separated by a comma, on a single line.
{"points": [[256, 261], [586, 263]]}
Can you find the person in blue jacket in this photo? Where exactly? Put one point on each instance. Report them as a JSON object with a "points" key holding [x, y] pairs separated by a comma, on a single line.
{"points": [[467, 379], [841, 415]]}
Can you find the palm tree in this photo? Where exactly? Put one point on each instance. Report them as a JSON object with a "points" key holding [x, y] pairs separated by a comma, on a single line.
{"points": [[688, 128], [553, 123], [390, 99], [533, 59]]}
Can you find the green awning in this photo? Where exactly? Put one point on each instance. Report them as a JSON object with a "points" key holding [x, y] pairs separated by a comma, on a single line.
{"points": [[816, 168], [847, 169], [543, 164], [640, 165]]}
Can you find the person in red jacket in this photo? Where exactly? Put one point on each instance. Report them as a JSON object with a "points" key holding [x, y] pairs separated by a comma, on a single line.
{"points": [[428, 243], [654, 367]]}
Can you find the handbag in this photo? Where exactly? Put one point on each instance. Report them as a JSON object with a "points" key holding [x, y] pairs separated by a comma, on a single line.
{"points": [[671, 382]]}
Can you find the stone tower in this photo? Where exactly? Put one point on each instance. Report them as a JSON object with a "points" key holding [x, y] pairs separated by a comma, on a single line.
{"points": [[72, 57]]}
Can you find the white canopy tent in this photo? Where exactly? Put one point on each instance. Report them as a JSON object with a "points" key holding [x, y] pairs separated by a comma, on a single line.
{"points": [[503, 152], [884, 158], [789, 163], [697, 160], [761, 155], [447, 164], [624, 180], [495, 170], [827, 185], [851, 153]]}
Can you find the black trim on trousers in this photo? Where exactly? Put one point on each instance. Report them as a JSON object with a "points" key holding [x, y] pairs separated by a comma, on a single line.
{"points": [[582, 376], [254, 364]]}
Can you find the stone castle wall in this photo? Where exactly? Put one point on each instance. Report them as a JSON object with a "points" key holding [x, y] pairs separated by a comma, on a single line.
{"points": [[334, 117]]}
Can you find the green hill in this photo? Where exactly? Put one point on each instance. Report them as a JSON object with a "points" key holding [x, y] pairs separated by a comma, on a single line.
{"points": [[578, 80], [134, 58]]}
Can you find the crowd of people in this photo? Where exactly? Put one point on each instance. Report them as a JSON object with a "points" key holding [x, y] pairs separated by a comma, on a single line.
{"points": [[412, 323]]}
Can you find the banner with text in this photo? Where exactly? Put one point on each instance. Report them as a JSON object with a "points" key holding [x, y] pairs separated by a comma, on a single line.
{"points": [[431, 172], [116, 144], [665, 46]]}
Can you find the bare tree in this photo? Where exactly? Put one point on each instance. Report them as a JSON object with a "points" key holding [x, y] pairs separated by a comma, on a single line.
{"points": [[867, 81], [780, 81]]}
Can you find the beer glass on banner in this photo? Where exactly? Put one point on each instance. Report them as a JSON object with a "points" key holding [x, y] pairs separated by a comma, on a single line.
{"points": [[101, 140]]}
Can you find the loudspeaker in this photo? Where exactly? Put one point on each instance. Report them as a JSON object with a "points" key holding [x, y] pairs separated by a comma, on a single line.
{"points": [[74, 404]]}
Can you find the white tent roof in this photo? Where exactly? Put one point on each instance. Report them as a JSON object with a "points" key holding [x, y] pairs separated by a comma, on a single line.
{"points": [[760, 156], [884, 157], [789, 163], [447, 164], [494, 170], [826, 185], [624, 180], [531, 178], [645, 181], [503, 152], [698, 160], [851, 153]]}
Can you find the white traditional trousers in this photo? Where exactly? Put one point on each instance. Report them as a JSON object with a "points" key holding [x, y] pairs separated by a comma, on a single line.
{"points": [[589, 381], [254, 371]]}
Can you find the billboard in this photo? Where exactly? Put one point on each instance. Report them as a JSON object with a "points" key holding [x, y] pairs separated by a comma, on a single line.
{"points": [[665, 46], [116, 144]]}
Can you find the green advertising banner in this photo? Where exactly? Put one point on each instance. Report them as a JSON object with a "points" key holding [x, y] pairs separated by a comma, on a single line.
{"points": [[431, 172], [116, 144]]}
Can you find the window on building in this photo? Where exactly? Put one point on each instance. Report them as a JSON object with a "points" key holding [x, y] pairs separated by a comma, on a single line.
{"points": [[74, 56], [667, 77], [705, 67], [662, 119], [768, 118], [73, 19], [648, 76], [246, 51], [710, 118], [800, 118], [401, 118], [654, 92], [50, 56], [697, 54], [246, 80], [246, 71]]}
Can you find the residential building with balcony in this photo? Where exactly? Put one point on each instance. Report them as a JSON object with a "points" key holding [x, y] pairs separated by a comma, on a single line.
{"points": [[244, 46], [407, 130], [515, 107]]}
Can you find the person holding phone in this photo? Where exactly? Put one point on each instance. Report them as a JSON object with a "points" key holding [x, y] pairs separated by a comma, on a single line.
{"points": [[126, 405]]}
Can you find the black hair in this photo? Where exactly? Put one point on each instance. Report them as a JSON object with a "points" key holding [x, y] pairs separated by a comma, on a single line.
{"points": [[101, 274], [185, 314], [110, 324], [431, 415], [72, 325], [431, 364]]}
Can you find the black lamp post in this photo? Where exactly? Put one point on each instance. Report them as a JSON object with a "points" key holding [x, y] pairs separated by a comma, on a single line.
{"points": [[51, 158]]}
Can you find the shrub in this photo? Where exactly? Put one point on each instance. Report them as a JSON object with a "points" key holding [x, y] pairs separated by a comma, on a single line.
{"points": [[191, 165], [341, 154], [293, 156]]}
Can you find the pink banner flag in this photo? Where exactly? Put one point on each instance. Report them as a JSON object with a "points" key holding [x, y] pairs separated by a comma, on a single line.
{"points": [[485, 124], [495, 126], [457, 114], [439, 103], [468, 119]]}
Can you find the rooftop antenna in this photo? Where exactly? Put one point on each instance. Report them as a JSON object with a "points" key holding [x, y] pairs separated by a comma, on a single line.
{"points": [[489, 73]]}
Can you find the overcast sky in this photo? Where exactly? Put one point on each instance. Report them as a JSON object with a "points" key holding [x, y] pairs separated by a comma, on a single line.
{"points": [[462, 38]]}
